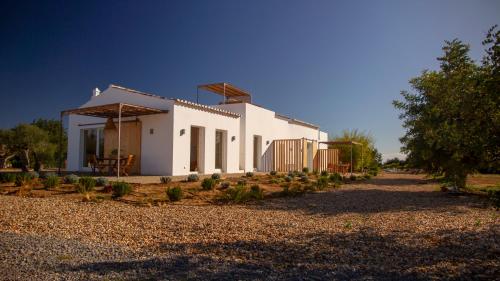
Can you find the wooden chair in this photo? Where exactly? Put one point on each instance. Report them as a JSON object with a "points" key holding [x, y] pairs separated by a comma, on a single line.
{"points": [[95, 164], [125, 165]]}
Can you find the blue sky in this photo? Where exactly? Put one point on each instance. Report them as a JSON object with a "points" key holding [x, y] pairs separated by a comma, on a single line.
{"points": [[338, 64]]}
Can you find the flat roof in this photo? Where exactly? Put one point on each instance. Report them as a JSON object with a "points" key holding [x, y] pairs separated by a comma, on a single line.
{"points": [[112, 110]]}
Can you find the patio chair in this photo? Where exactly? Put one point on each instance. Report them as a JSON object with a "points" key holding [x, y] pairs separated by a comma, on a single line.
{"points": [[95, 164], [125, 165]]}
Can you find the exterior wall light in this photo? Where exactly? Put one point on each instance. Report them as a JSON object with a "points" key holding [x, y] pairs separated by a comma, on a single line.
{"points": [[233, 138], [183, 131], [267, 142]]}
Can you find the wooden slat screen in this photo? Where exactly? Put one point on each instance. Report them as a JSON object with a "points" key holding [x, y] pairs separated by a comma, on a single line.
{"points": [[327, 160]]}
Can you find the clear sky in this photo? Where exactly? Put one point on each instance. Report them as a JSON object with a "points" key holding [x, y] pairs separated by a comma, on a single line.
{"points": [[338, 64]]}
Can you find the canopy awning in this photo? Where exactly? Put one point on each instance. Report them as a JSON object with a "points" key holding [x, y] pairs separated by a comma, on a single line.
{"points": [[340, 142], [112, 110], [228, 91]]}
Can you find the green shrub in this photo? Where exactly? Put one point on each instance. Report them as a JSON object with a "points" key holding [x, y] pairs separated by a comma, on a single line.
{"points": [[193, 178], [305, 170], [292, 173], [336, 177], [71, 179], [352, 178], [242, 182], [300, 174], [322, 183], [215, 176], [273, 173], [324, 173], [86, 184], [7, 177], [51, 182], [225, 185], [273, 181], [208, 184], [494, 195], [367, 176], [174, 193], [23, 179], [121, 188], [292, 190], [256, 192], [34, 175], [288, 178], [101, 181], [165, 179], [249, 174], [304, 178]]}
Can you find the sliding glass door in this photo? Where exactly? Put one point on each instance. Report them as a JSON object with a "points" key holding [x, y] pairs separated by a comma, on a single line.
{"points": [[92, 144]]}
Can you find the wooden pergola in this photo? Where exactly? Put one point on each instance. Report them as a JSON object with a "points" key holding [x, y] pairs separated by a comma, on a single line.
{"points": [[228, 91], [351, 143], [113, 110]]}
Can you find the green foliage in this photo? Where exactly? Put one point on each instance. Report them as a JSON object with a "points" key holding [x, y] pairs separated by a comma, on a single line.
{"points": [[324, 173], [208, 184], [494, 195], [193, 178], [256, 192], [165, 179], [304, 178], [273, 181], [225, 185], [273, 173], [86, 184], [101, 181], [305, 170], [23, 179], [242, 182], [352, 177], [174, 193], [121, 188], [288, 178], [364, 155], [7, 177], [71, 179], [322, 183], [216, 176], [292, 190], [51, 181], [241, 193], [452, 118], [249, 174], [336, 177]]}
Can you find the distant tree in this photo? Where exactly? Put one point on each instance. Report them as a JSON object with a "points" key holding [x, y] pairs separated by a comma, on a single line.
{"points": [[452, 120], [364, 155], [53, 129]]}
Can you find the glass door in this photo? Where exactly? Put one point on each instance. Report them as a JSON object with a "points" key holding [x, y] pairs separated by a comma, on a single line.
{"points": [[92, 144]]}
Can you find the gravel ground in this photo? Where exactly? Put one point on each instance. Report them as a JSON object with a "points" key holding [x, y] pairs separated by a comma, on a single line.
{"points": [[390, 228]]}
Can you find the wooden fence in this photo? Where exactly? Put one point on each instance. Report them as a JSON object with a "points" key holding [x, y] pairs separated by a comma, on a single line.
{"points": [[327, 160]]}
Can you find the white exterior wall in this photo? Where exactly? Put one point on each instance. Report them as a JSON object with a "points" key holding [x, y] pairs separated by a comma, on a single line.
{"points": [[263, 122], [184, 118]]}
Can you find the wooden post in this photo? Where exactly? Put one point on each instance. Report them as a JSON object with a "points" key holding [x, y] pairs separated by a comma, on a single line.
{"points": [[119, 139], [61, 128], [351, 158]]}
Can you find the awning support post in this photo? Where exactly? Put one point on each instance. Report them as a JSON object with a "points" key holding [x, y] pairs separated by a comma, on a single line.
{"points": [[61, 128], [119, 139], [351, 158]]}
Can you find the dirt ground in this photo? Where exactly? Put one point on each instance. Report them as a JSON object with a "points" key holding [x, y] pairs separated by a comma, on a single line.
{"points": [[392, 227]]}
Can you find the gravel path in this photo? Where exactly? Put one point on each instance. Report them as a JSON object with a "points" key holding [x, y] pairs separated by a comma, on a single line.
{"points": [[390, 228]]}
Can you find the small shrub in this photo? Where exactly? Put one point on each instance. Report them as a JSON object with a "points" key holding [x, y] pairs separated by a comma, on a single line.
{"points": [[292, 190], [292, 173], [193, 178], [367, 176], [101, 181], [7, 177], [249, 174], [256, 192], [273, 173], [47, 174], [301, 174], [336, 177], [121, 188], [288, 178], [86, 184], [165, 179], [324, 173], [304, 178], [235, 194], [208, 184], [174, 193], [322, 183], [34, 175], [352, 178], [23, 179], [225, 185], [71, 179], [242, 182], [51, 182], [273, 181], [305, 170], [215, 176], [494, 195]]}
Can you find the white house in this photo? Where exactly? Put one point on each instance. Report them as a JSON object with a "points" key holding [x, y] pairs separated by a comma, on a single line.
{"points": [[179, 137]]}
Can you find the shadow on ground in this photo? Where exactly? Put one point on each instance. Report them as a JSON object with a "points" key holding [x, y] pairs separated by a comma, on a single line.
{"points": [[358, 255]]}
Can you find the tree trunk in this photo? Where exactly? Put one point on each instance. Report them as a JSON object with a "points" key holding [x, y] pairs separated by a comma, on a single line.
{"points": [[25, 160], [4, 161]]}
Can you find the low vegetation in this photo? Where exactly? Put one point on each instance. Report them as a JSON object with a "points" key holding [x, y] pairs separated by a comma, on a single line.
{"points": [[51, 181], [208, 184], [174, 193], [121, 189], [165, 179]]}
